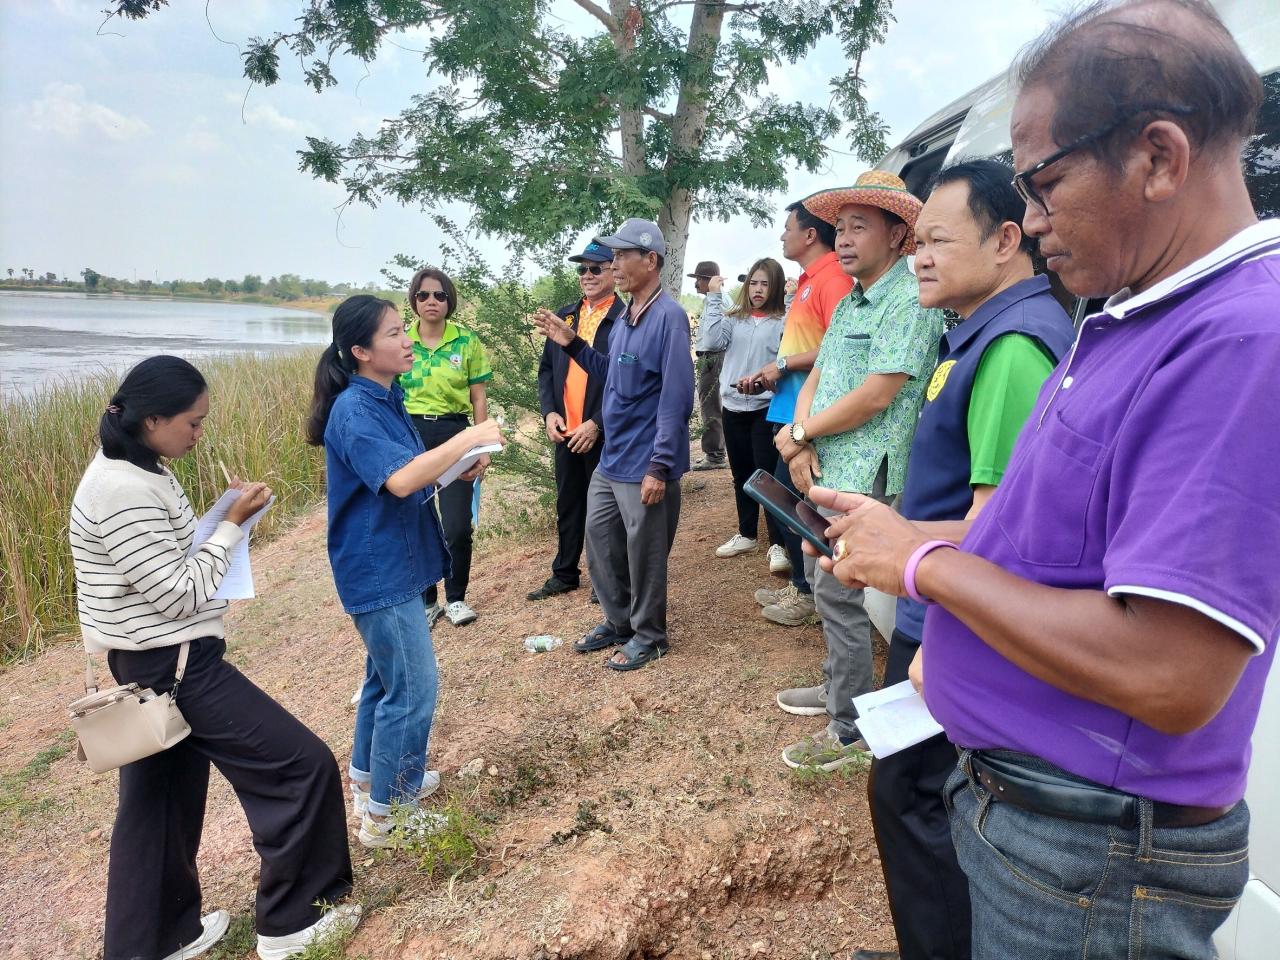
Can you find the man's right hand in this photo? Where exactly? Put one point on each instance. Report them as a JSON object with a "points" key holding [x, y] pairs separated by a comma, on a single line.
{"points": [[769, 376], [552, 327], [715, 284], [804, 469], [555, 427]]}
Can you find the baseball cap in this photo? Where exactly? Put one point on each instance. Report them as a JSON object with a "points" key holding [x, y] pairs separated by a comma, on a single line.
{"points": [[636, 234], [594, 253]]}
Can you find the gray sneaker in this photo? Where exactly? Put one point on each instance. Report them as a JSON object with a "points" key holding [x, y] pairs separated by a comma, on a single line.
{"points": [[767, 596], [791, 610], [824, 751], [804, 701]]}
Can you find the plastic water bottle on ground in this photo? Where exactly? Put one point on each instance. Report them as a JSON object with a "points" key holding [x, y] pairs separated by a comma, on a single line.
{"points": [[542, 643]]}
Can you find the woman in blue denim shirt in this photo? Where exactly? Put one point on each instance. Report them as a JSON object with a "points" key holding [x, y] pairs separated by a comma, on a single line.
{"points": [[386, 548]]}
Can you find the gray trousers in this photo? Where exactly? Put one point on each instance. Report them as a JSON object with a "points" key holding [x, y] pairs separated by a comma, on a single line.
{"points": [[627, 547], [709, 408], [848, 669]]}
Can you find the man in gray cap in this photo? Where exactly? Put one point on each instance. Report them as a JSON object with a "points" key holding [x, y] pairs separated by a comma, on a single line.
{"points": [[714, 456], [633, 503]]}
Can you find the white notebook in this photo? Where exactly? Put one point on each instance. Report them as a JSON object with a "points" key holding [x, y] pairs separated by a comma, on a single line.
{"points": [[238, 583], [894, 718], [463, 465]]}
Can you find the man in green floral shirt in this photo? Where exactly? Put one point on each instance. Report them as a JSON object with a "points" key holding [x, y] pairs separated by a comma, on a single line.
{"points": [[854, 422]]}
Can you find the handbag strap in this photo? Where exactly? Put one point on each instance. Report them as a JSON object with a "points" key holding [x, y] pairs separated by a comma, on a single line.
{"points": [[91, 681]]}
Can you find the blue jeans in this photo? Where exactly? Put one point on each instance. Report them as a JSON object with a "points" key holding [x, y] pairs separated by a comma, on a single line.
{"points": [[393, 721], [782, 473], [1053, 889]]}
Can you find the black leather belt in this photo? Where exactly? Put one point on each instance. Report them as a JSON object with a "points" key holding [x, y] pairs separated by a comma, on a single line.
{"points": [[439, 416], [707, 353], [1043, 792]]}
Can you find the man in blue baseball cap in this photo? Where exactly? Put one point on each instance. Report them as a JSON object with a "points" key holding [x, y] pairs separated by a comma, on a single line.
{"points": [[633, 504], [570, 400]]}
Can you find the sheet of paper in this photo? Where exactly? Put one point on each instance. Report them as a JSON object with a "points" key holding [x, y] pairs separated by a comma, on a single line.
{"points": [[238, 583], [894, 718], [462, 466]]}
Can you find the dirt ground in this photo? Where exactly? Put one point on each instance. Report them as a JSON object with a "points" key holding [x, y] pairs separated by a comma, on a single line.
{"points": [[616, 816]]}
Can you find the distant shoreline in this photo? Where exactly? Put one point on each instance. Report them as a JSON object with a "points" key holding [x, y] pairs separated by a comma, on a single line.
{"points": [[324, 306]]}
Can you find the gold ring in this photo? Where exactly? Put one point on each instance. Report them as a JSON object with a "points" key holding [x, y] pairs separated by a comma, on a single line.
{"points": [[840, 551]]}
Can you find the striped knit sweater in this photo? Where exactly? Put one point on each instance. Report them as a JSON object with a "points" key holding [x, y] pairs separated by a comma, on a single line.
{"points": [[136, 587]]}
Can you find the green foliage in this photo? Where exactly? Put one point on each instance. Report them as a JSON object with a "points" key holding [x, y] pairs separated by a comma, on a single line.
{"points": [[16, 795], [451, 851], [525, 120]]}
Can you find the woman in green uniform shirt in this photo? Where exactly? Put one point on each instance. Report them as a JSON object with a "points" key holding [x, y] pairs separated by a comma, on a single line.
{"points": [[443, 391]]}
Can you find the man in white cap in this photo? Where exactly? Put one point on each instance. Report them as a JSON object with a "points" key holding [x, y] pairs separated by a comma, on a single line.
{"points": [[853, 425], [633, 503]]}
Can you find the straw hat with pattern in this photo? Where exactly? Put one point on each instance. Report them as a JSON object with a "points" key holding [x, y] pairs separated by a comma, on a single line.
{"points": [[875, 188]]}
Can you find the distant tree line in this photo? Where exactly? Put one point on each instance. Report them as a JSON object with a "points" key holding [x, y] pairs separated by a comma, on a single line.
{"points": [[287, 286]]}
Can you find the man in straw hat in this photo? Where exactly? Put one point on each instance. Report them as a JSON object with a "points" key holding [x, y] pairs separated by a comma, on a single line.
{"points": [[853, 425], [714, 456], [1099, 648]]}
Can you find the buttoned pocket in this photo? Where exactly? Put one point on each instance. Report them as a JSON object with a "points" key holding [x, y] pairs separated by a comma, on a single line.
{"points": [[629, 377], [1045, 514]]}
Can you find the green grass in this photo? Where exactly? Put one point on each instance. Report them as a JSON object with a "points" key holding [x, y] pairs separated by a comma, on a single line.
{"points": [[47, 439], [15, 788]]}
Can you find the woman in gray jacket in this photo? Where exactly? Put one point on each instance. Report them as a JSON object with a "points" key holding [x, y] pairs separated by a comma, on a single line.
{"points": [[749, 334]]}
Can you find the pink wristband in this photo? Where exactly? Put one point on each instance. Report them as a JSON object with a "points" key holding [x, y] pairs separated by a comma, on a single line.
{"points": [[909, 573]]}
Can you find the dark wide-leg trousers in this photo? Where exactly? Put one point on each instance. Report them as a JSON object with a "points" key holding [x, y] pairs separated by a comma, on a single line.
{"points": [[928, 892], [573, 478], [455, 509], [285, 777], [748, 438]]}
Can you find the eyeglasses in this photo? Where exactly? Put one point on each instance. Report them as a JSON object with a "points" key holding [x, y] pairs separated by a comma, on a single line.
{"points": [[422, 296], [1022, 181], [594, 269]]}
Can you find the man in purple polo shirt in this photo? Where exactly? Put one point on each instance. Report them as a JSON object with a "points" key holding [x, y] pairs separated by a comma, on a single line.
{"points": [[1101, 639]]}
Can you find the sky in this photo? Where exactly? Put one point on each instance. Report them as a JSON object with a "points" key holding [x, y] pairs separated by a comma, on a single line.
{"points": [[129, 151]]}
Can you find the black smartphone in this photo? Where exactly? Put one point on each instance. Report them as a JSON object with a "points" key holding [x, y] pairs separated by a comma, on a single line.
{"points": [[789, 510]]}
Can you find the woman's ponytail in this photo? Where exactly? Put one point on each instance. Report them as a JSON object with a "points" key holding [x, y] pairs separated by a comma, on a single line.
{"points": [[354, 324]]}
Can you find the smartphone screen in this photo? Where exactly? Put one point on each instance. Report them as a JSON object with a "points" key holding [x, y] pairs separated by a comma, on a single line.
{"points": [[789, 509]]}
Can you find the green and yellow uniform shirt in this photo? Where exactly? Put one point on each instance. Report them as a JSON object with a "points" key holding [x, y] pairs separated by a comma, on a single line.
{"points": [[441, 379], [1005, 388]]}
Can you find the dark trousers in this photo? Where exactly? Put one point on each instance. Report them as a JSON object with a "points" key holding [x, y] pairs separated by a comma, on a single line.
{"points": [[455, 509], [928, 892], [748, 439], [285, 777], [792, 540], [709, 410], [573, 477]]}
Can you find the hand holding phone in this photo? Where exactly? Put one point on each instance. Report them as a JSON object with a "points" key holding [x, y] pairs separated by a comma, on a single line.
{"points": [[792, 512]]}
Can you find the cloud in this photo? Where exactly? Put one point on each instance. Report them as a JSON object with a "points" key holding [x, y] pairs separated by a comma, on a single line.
{"points": [[265, 115], [66, 111]]}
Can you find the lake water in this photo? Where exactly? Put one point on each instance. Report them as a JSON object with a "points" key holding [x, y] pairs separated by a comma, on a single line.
{"points": [[49, 336]]}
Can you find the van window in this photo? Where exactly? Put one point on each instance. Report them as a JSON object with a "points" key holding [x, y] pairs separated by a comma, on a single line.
{"points": [[1262, 153]]}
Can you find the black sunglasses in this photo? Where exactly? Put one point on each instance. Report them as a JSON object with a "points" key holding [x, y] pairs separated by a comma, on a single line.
{"points": [[594, 269], [422, 296], [1022, 181]]}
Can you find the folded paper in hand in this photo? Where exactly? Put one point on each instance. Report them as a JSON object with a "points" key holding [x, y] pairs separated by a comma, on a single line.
{"points": [[238, 583], [894, 718], [467, 461]]}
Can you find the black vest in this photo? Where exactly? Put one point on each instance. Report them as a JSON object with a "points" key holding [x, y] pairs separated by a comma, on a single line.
{"points": [[937, 486]]}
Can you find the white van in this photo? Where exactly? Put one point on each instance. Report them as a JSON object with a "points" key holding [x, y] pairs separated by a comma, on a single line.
{"points": [[977, 125]]}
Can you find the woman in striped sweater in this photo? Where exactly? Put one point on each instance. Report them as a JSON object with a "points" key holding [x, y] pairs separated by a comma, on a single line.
{"points": [[142, 594]]}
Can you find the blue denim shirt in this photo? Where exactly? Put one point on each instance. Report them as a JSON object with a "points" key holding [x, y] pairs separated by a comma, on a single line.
{"points": [[383, 549]]}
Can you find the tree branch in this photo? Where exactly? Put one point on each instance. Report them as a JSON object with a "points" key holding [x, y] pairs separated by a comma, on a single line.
{"points": [[600, 14], [659, 115]]}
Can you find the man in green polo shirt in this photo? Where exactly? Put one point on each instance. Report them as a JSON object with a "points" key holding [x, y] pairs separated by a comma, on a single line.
{"points": [[854, 421]]}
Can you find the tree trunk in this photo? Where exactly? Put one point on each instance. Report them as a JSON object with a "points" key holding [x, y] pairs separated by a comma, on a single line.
{"points": [[630, 117], [688, 130]]}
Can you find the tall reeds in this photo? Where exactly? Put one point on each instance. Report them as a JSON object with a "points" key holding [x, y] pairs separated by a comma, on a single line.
{"points": [[257, 405]]}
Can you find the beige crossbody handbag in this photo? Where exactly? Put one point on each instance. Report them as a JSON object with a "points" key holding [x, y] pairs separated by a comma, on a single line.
{"points": [[123, 724]]}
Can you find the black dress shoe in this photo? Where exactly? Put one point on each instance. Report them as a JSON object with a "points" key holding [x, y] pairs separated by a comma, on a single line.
{"points": [[875, 955], [552, 588]]}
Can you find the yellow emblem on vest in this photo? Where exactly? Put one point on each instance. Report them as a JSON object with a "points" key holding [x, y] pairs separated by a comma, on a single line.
{"points": [[939, 380]]}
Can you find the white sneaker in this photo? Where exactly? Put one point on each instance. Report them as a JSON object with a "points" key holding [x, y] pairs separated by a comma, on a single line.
{"points": [[215, 925], [735, 545], [779, 562], [360, 797], [355, 697], [405, 824], [340, 920], [459, 613], [434, 613]]}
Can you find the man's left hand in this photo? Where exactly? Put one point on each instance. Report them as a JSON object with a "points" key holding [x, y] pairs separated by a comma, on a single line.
{"points": [[873, 541], [652, 491], [787, 447], [583, 438]]}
